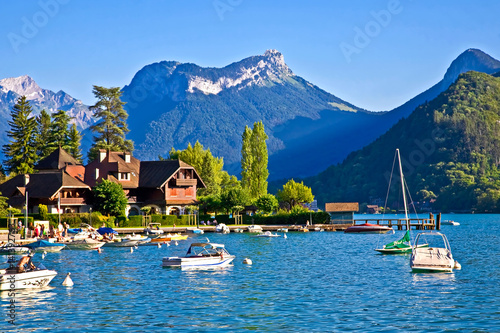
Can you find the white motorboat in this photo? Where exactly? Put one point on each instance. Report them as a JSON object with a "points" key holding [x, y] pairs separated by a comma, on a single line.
{"points": [[84, 244], [120, 243], [154, 229], [201, 256], [238, 230], [267, 234], [449, 222], [139, 238], [283, 230], [254, 228], [12, 279], [11, 248], [435, 258], [222, 228]]}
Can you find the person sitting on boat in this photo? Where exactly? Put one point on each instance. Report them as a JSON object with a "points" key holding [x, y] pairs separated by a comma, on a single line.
{"points": [[25, 260]]}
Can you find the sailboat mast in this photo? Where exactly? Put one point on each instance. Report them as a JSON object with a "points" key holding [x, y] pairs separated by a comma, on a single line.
{"points": [[403, 189]]}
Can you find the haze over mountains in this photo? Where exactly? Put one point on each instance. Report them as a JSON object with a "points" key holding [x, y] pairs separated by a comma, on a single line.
{"points": [[171, 103]]}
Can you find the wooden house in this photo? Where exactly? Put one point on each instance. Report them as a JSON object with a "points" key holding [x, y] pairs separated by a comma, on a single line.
{"points": [[341, 212]]}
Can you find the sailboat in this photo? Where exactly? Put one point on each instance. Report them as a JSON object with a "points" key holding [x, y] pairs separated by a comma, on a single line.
{"points": [[402, 245]]}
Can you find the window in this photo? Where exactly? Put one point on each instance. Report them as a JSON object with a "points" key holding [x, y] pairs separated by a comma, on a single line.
{"points": [[124, 176]]}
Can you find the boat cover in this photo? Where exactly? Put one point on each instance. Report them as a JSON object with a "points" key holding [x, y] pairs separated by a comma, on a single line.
{"points": [[42, 243], [106, 230]]}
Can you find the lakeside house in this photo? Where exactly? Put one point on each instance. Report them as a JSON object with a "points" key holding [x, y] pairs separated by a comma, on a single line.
{"points": [[64, 184], [341, 212]]}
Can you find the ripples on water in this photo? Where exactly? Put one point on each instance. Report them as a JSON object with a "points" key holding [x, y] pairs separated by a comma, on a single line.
{"points": [[308, 282]]}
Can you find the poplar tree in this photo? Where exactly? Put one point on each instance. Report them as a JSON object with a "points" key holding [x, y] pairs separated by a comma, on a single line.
{"points": [[111, 128], [20, 152], [210, 175], [254, 160], [74, 138], [43, 134]]}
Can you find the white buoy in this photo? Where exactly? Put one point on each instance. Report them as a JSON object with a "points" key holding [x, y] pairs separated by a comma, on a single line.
{"points": [[136, 247], [43, 254], [159, 245], [67, 281], [247, 261], [131, 250], [457, 266], [284, 236], [99, 250], [176, 243]]}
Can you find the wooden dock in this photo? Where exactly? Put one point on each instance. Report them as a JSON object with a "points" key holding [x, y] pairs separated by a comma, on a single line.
{"points": [[430, 223]]}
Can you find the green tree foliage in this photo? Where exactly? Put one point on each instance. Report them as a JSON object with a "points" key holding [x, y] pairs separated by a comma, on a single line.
{"points": [[210, 175], [20, 152], [43, 134], [210, 203], [58, 131], [295, 193], [43, 211], [3, 205], [234, 196], [109, 198], [254, 159], [450, 149], [267, 203], [74, 138], [111, 127]]}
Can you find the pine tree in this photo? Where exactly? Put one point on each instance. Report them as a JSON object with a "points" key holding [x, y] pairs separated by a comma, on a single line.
{"points": [[20, 152], [254, 159], [43, 134], [59, 133], [74, 137], [111, 127]]}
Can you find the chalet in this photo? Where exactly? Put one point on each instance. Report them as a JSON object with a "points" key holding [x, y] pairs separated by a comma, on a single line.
{"points": [[341, 212], [165, 186], [58, 185]]}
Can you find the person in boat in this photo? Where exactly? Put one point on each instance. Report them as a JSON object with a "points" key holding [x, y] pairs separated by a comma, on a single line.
{"points": [[51, 231], [66, 227], [25, 264]]}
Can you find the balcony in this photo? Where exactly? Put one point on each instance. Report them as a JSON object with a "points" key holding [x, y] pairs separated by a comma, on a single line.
{"points": [[72, 201], [186, 182]]}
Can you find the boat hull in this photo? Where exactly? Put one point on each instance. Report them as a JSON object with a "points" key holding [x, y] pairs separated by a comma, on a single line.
{"points": [[28, 280], [198, 262], [368, 229], [84, 244], [123, 243], [399, 251]]}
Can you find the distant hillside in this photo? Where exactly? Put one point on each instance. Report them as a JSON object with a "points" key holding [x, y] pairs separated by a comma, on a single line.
{"points": [[172, 104], [450, 147]]}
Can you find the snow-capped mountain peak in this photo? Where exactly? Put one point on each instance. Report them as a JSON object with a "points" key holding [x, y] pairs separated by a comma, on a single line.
{"points": [[24, 86]]}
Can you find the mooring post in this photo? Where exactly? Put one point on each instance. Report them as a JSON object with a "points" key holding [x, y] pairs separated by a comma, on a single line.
{"points": [[438, 222]]}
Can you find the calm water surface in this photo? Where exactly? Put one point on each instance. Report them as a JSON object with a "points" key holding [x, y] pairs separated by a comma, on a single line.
{"points": [[328, 281]]}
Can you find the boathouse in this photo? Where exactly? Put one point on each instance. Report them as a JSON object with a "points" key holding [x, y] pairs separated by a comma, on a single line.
{"points": [[341, 212]]}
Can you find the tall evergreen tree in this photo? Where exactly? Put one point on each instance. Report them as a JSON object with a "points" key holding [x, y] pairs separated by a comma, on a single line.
{"points": [[254, 159], [111, 127], [59, 132], [74, 138], [20, 152], [43, 134]]}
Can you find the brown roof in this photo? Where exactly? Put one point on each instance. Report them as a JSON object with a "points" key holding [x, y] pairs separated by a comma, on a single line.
{"points": [[341, 207], [58, 159], [114, 162], [154, 174]]}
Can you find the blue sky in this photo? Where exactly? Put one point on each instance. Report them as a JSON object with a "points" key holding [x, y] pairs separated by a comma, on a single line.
{"points": [[406, 48]]}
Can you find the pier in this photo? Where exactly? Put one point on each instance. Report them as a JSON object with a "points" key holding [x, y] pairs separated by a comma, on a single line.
{"points": [[430, 223]]}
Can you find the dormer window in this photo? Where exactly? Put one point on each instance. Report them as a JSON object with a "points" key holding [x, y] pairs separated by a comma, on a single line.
{"points": [[124, 176]]}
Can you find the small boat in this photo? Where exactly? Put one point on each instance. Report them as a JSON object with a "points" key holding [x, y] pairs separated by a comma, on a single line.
{"points": [[449, 222], [120, 243], [196, 231], [168, 238], [304, 229], [38, 277], [201, 256], [222, 228], [436, 258], [368, 228], [282, 230], [84, 244], [43, 245], [254, 228], [238, 230], [400, 246], [139, 238], [267, 234], [12, 248], [154, 228]]}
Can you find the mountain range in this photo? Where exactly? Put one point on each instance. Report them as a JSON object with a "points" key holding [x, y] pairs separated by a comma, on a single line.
{"points": [[171, 104]]}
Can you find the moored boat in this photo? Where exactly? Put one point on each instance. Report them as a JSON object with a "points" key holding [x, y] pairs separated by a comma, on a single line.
{"points": [[168, 238], [84, 244], [222, 228], [254, 228], [367, 228], [436, 258], [201, 256], [120, 243], [154, 229], [11, 248], [43, 245], [194, 230], [267, 234], [14, 278], [449, 222]]}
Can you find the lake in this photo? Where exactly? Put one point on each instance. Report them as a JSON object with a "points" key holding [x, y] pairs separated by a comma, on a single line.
{"points": [[317, 281]]}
